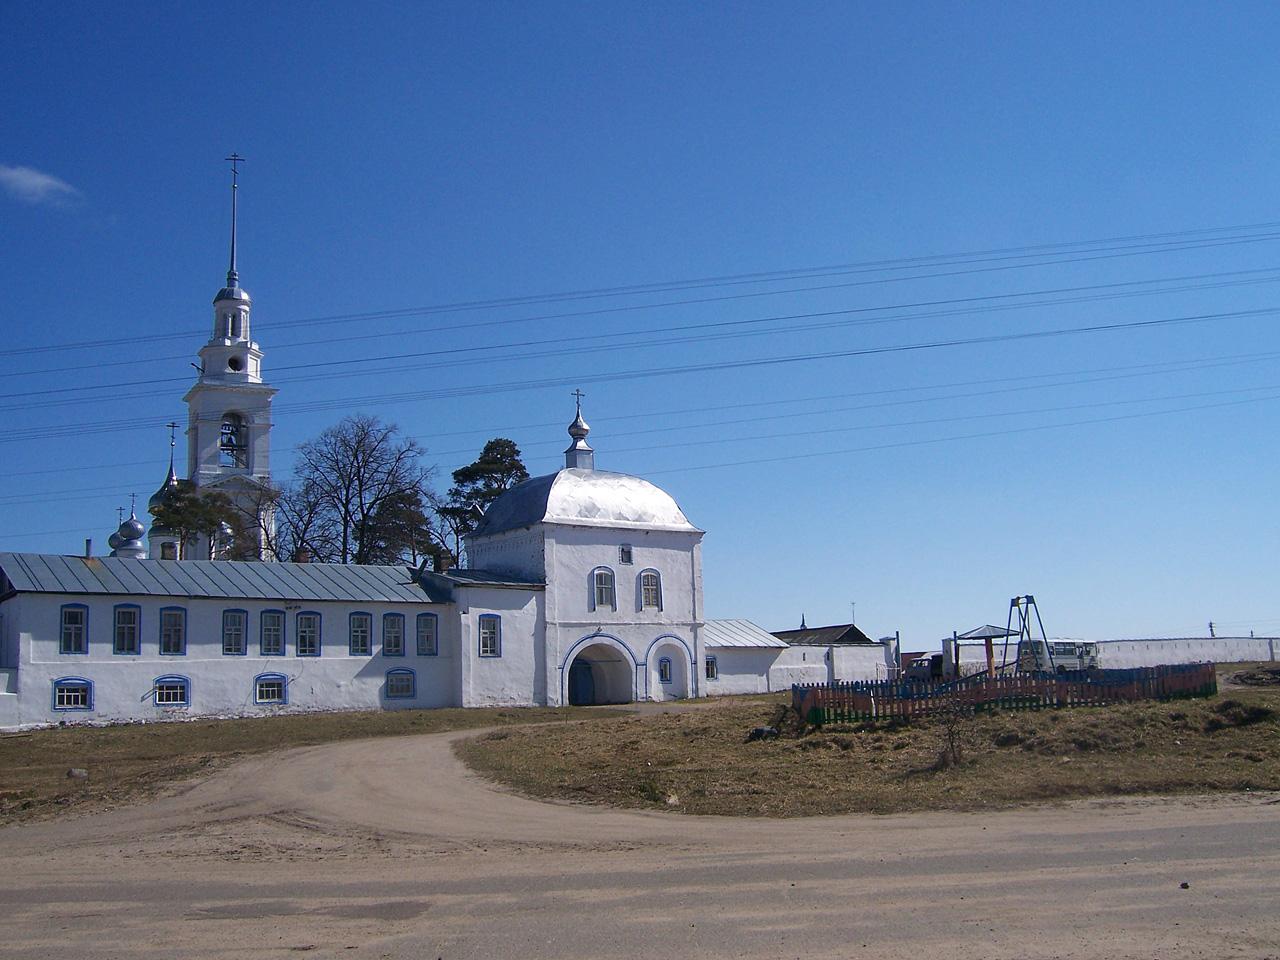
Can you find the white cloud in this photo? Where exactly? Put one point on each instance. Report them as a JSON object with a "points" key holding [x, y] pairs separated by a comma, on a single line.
{"points": [[32, 186]]}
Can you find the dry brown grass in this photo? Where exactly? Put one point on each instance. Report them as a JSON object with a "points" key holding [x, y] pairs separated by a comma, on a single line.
{"points": [[699, 762], [130, 761]]}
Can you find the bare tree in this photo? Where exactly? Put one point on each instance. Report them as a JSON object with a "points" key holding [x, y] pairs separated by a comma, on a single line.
{"points": [[358, 495]]}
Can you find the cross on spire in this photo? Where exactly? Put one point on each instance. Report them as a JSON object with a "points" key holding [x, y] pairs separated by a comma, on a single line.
{"points": [[233, 278], [173, 442], [578, 395]]}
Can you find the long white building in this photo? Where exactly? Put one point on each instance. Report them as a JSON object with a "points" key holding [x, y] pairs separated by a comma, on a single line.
{"points": [[588, 589]]}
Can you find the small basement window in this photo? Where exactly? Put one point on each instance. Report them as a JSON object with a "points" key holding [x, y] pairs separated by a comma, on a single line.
{"points": [[172, 692], [270, 688], [400, 685], [72, 693]]}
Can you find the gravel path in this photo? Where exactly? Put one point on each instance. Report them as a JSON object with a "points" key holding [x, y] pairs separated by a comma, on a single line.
{"points": [[391, 848]]}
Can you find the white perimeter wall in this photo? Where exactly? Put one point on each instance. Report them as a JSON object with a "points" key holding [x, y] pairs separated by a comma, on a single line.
{"points": [[220, 685], [1148, 653], [818, 664], [741, 669], [1122, 654]]}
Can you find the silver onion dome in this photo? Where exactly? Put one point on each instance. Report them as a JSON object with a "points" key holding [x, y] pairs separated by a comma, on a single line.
{"points": [[132, 529]]}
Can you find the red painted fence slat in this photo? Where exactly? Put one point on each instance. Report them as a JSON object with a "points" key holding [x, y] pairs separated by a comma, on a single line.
{"points": [[845, 701]]}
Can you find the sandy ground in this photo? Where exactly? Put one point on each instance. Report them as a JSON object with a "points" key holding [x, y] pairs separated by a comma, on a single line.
{"points": [[390, 848]]}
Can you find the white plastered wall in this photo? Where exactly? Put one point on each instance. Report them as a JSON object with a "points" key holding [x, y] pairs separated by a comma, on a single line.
{"points": [[222, 685], [741, 669], [1122, 654], [1147, 653], [801, 663], [515, 678]]}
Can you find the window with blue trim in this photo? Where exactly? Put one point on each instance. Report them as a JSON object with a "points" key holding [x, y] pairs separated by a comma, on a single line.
{"points": [[393, 634], [270, 688], [401, 685], [307, 635], [128, 619], [173, 631], [234, 625], [271, 633], [713, 669], [73, 634], [490, 629], [360, 635], [428, 635], [664, 670], [171, 691], [650, 590], [603, 593], [72, 693]]}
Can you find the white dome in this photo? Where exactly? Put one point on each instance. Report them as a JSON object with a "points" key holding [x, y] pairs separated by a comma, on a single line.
{"points": [[593, 498]]}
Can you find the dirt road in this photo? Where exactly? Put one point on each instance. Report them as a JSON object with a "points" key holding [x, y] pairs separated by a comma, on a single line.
{"points": [[390, 848]]}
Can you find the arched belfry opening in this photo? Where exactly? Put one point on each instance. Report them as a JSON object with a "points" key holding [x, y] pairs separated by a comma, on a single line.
{"points": [[233, 441], [600, 673]]}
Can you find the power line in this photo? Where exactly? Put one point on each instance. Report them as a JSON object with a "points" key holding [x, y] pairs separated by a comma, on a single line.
{"points": [[94, 492], [1117, 290], [966, 436], [53, 431], [1084, 376], [985, 392], [1119, 252]]}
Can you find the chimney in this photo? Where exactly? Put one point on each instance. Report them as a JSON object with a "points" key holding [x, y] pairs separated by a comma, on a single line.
{"points": [[88, 547], [302, 555], [444, 560]]}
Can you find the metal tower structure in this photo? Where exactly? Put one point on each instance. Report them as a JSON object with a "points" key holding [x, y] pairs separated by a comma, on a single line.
{"points": [[1032, 654]]}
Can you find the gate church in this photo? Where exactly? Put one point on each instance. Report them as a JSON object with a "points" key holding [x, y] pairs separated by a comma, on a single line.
{"points": [[586, 588]]}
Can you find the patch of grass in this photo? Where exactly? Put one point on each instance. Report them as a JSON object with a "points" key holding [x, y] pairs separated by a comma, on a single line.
{"points": [[129, 761], [989, 760]]}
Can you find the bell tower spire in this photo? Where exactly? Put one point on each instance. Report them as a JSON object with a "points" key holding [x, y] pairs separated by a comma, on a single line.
{"points": [[229, 406], [233, 278]]}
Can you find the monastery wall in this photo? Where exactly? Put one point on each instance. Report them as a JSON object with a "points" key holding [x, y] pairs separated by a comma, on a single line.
{"points": [[1115, 654], [802, 663], [741, 669]]}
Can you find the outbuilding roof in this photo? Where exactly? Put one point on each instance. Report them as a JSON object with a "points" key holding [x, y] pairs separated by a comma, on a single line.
{"points": [[738, 633], [229, 579], [838, 634]]}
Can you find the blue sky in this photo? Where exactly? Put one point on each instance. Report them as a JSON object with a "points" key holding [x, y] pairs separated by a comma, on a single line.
{"points": [[1119, 158]]}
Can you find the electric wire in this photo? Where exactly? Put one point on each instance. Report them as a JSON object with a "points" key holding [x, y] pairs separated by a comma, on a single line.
{"points": [[1118, 252]]}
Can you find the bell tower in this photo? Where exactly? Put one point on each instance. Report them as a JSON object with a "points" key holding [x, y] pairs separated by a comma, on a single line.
{"points": [[229, 405]]}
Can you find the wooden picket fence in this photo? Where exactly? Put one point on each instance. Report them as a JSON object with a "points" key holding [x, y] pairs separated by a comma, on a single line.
{"points": [[859, 700]]}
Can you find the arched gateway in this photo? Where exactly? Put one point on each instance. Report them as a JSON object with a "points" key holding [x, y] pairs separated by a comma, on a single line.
{"points": [[600, 670]]}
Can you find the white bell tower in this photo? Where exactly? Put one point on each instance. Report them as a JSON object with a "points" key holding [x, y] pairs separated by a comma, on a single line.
{"points": [[229, 407]]}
